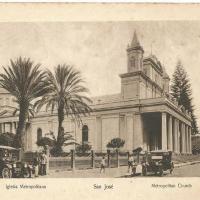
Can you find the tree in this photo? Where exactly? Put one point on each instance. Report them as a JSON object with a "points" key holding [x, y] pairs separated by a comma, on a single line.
{"points": [[25, 81], [31, 111], [116, 143], [195, 144], [67, 94], [51, 140], [182, 92], [44, 141]]}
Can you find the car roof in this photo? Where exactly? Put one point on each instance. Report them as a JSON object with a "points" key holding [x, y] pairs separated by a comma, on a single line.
{"points": [[7, 147]]}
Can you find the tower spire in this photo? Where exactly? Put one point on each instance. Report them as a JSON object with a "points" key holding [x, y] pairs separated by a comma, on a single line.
{"points": [[135, 55], [135, 42]]}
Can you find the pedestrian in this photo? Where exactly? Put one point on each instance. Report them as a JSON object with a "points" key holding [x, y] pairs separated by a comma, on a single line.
{"points": [[36, 162], [130, 164], [103, 164], [134, 165], [43, 164]]}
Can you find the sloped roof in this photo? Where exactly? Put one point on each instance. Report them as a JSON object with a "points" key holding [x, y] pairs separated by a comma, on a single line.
{"points": [[106, 99]]}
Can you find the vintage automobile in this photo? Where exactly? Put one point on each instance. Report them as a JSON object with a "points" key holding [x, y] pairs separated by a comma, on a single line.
{"points": [[11, 166], [157, 162]]}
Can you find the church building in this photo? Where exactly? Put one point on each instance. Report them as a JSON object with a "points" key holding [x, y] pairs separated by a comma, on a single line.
{"points": [[143, 113]]}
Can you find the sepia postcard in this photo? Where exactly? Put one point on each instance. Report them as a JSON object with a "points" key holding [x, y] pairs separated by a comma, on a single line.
{"points": [[99, 101]]}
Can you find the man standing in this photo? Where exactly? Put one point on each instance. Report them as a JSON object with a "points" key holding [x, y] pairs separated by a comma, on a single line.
{"points": [[130, 164], [43, 164], [103, 164]]}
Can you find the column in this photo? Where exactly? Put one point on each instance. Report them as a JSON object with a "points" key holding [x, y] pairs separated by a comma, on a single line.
{"points": [[122, 126], [186, 139], [16, 124], [3, 127], [169, 134], [137, 131], [7, 127], [14, 127], [189, 151], [164, 131], [175, 134], [129, 131], [178, 136], [11, 127], [190, 142], [182, 138], [99, 133]]}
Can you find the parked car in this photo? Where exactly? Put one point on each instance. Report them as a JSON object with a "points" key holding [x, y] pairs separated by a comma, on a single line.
{"points": [[11, 166], [157, 162]]}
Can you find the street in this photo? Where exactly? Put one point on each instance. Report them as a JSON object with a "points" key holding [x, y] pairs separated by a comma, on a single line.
{"points": [[184, 171]]}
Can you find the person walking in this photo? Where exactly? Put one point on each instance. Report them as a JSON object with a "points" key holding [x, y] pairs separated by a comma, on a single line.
{"points": [[43, 164], [103, 164], [130, 164]]}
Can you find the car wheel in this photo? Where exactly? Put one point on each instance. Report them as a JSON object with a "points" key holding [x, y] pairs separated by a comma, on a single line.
{"points": [[133, 171], [26, 174], [144, 171], [160, 172], [6, 173]]}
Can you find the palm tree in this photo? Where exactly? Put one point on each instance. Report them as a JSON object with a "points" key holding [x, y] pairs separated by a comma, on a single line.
{"points": [[25, 81], [31, 111], [67, 94]]}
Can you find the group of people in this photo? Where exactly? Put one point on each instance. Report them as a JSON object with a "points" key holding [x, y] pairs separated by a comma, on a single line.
{"points": [[131, 164], [40, 164]]}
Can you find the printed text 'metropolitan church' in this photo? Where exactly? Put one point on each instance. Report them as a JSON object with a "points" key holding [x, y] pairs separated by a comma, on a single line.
{"points": [[142, 114]]}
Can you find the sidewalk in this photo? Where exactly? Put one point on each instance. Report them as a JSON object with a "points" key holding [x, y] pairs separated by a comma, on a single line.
{"points": [[95, 173], [186, 163], [88, 173]]}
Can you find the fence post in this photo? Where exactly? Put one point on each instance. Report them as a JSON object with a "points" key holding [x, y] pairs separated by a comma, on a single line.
{"points": [[128, 155], [47, 154], [108, 154], [92, 159], [117, 151], [72, 159]]}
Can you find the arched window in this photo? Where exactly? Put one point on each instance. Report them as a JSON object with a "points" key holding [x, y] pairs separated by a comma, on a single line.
{"points": [[39, 134], [85, 134]]}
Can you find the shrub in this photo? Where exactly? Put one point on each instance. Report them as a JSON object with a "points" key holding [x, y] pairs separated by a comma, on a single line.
{"points": [[116, 143], [83, 149], [7, 139]]}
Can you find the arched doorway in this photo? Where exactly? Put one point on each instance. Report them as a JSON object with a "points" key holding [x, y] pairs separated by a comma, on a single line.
{"points": [[85, 134]]}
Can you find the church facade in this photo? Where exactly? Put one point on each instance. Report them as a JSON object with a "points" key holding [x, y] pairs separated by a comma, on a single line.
{"points": [[142, 113]]}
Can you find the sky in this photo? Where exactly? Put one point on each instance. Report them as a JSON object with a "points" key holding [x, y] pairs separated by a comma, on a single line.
{"points": [[98, 49]]}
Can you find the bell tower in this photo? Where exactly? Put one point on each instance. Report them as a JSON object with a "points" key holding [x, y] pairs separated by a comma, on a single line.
{"points": [[130, 81], [135, 55]]}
